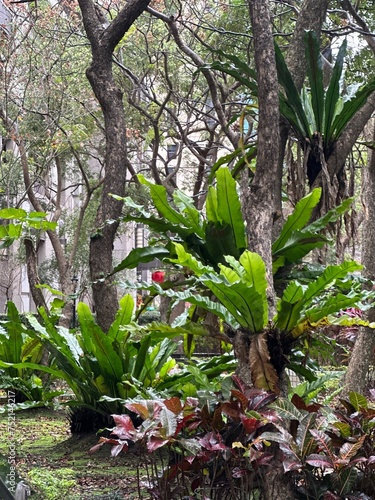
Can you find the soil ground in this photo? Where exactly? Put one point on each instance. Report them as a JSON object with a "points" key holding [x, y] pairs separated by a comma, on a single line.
{"points": [[59, 466]]}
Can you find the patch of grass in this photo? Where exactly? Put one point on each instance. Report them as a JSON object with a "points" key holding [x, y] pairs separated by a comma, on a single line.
{"points": [[51, 485], [45, 450]]}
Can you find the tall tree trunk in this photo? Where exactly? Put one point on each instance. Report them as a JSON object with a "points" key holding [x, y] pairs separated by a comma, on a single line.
{"points": [[261, 208], [32, 274], [261, 205], [363, 355], [103, 41]]}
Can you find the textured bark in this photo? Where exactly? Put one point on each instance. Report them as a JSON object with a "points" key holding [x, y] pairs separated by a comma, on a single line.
{"points": [[103, 41], [311, 17], [363, 355], [32, 274], [261, 208]]}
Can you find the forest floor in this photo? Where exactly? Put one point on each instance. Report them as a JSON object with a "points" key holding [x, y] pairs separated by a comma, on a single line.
{"points": [[57, 465]]}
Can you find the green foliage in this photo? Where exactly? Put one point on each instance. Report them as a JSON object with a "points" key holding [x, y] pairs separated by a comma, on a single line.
{"points": [[17, 346], [321, 111], [104, 370], [230, 282], [25, 223], [53, 486], [221, 233]]}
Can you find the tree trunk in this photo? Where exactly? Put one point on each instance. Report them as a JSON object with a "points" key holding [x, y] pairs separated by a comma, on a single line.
{"points": [[32, 274], [103, 41], [311, 17], [261, 209], [261, 205], [363, 355]]}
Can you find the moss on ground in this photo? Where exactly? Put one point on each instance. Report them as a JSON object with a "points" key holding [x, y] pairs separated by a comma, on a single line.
{"points": [[57, 465]]}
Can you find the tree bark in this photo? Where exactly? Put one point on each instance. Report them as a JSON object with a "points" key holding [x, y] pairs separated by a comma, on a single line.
{"points": [[261, 208], [32, 274], [310, 18], [103, 41], [363, 355]]}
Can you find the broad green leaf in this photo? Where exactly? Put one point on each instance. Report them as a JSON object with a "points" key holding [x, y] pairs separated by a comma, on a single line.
{"points": [[344, 428], [350, 108], [329, 276], [141, 360], [34, 366], [123, 318], [244, 303], [300, 244], [255, 275], [242, 154], [289, 307], [229, 206], [192, 215], [331, 216], [159, 197], [333, 93], [99, 344], [32, 350], [220, 242], [330, 306], [358, 401], [315, 74], [298, 219], [15, 329], [13, 213], [138, 255], [186, 259], [229, 274], [255, 270], [159, 225], [292, 105], [308, 109], [211, 206]]}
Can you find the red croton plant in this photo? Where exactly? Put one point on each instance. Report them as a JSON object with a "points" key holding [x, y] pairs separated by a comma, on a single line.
{"points": [[224, 449]]}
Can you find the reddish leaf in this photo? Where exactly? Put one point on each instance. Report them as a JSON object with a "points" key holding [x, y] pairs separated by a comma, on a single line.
{"points": [[238, 472], [232, 409], [144, 411], [298, 402], [321, 461], [124, 427], [121, 446], [212, 442], [301, 405], [241, 397], [155, 442], [217, 419], [174, 404], [250, 424]]}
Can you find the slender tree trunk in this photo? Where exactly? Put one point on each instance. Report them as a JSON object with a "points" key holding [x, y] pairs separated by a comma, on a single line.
{"points": [[363, 355], [103, 40], [32, 274], [261, 208], [261, 204]]}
